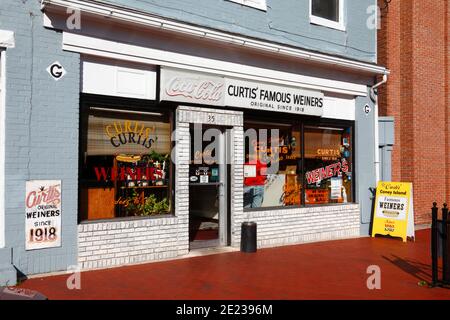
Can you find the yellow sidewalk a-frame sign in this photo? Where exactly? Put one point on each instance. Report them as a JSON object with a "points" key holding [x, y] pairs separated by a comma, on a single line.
{"points": [[394, 210]]}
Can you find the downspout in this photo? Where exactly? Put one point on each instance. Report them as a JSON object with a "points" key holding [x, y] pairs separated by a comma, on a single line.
{"points": [[374, 98]]}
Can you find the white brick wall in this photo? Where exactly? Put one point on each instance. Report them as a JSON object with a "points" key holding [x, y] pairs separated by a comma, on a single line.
{"points": [[114, 243], [299, 225]]}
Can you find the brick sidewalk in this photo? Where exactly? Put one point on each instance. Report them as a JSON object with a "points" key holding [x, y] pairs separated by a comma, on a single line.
{"points": [[326, 270]]}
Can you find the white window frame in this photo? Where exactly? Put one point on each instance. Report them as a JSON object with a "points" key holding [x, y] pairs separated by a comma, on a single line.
{"points": [[258, 4], [326, 22], [7, 40]]}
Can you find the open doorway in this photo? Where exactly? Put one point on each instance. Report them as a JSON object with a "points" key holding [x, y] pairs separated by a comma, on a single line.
{"points": [[208, 187]]}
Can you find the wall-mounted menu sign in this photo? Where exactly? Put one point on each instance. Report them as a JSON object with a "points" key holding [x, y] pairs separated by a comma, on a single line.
{"points": [[191, 87]]}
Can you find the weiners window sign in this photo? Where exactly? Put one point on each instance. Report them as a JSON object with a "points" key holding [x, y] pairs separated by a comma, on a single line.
{"points": [[327, 172], [190, 87]]}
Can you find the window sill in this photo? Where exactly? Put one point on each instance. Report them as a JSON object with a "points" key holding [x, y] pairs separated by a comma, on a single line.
{"points": [[327, 23], [308, 206], [128, 219]]}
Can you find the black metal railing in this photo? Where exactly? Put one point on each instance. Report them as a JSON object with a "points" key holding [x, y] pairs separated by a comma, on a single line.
{"points": [[440, 245]]}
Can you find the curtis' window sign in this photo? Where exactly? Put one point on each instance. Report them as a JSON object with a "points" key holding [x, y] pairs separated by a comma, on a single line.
{"points": [[126, 163], [328, 165], [200, 88], [123, 132]]}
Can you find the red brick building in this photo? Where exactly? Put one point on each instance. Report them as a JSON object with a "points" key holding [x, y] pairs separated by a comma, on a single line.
{"points": [[413, 43]]}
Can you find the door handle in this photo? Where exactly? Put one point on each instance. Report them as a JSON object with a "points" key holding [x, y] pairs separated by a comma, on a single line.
{"points": [[219, 190]]}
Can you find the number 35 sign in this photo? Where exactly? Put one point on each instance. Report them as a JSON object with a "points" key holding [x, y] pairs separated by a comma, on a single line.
{"points": [[43, 214]]}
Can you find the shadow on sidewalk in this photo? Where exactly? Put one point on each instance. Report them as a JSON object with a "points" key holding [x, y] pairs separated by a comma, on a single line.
{"points": [[419, 270]]}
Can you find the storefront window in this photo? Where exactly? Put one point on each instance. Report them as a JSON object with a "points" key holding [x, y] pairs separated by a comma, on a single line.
{"points": [[272, 170], [125, 163], [328, 165]]}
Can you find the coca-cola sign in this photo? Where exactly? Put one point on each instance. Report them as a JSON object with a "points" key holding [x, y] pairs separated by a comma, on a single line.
{"points": [[181, 86], [202, 88], [197, 89]]}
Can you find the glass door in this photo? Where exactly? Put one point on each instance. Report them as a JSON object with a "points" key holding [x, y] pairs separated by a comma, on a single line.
{"points": [[208, 222]]}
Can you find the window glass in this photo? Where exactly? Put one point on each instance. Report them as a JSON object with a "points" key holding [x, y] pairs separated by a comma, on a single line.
{"points": [[328, 165], [327, 9], [125, 164], [272, 165]]}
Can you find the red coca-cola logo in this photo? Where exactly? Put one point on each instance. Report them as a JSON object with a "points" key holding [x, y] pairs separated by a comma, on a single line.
{"points": [[197, 89]]}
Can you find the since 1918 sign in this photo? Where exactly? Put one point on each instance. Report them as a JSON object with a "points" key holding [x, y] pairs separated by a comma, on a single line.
{"points": [[43, 214]]}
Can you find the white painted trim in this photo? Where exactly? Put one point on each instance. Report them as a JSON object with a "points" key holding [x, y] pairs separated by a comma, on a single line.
{"points": [[7, 39], [377, 143], [119, 79], [329, 23], [258, 4], [127, 52], [339, 107], [115, 12], [2, 144]]}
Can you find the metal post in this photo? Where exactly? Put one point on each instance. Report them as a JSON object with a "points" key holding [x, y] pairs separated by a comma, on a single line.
{"points": [[445, 267], [434, 243]]}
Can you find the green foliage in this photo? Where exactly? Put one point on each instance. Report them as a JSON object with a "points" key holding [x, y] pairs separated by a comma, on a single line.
{"points": [[155, 156], [150, 207], [161, 206]]}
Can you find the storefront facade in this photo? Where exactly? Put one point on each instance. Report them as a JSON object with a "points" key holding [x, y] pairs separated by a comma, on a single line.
{"points": [[143, 188]]}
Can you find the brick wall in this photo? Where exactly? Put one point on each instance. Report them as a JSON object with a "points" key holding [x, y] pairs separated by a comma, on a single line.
{"points": [[299, 225], [112, 243], [41, 132], [413, 44]]}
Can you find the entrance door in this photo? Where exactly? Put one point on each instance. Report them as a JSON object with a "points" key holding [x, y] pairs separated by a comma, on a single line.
{"points": [[208, 195]]}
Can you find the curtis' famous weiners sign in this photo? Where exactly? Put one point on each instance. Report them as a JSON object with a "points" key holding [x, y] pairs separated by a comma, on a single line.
{"points": [[42, 214], [183, 86]]}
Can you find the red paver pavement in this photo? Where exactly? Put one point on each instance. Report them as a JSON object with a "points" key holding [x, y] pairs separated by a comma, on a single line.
{"points": [[325, 270]]}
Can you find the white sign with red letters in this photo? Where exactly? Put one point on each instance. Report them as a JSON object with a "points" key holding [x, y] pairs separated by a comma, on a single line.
{"points": [[191, 87], [42, 214], [207, 89]]}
